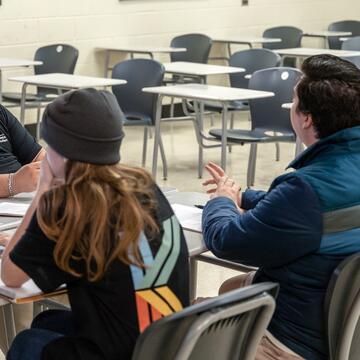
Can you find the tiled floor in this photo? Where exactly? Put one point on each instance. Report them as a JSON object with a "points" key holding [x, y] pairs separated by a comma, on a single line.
{"points": [[181, 150]]}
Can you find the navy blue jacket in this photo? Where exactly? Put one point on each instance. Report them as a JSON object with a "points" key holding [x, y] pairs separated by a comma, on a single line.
{"points": [[296, 233]]}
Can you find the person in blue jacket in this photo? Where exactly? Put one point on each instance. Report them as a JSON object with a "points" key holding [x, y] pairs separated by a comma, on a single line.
{"points": [[308, 221]]}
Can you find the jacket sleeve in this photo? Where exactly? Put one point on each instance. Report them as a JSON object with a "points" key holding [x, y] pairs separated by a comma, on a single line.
{"points": [[285, 224], [250, 198]]}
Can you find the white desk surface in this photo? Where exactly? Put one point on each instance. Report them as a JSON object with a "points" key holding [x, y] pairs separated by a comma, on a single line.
{"points": [[67, 81], [327, 33], [6, 63], [305, 52], [246, 40], [142, 49], [208, 92], [197, 69]]}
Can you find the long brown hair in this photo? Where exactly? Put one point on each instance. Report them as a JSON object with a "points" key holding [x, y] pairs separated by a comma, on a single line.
{"points": [[97, 216]]}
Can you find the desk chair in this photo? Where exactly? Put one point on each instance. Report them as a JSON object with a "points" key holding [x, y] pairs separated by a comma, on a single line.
{"points": [[352, 26], [139, 107], [226, 327], [354, 59], [290, 38], [342, 310], [251, 60], [352, 44], [270, 123], [57, 58]]}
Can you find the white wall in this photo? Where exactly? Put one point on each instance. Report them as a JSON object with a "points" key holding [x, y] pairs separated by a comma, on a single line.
{"points": [[27, 24]]}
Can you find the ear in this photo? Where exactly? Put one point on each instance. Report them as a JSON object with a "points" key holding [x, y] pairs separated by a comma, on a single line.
{"points": [[308, 122]]}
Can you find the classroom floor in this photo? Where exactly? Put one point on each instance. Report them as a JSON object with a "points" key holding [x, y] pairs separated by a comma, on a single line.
{"points": [[181, 150]]}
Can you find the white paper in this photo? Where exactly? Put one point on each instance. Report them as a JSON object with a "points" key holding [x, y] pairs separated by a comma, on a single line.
{"points": [[188, 216], [28, 289], [13, 209]]}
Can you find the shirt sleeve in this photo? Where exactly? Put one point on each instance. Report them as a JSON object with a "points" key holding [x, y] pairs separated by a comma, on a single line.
{"points": [[24, 145], [34, 255], [285, 225], [250, 198]]}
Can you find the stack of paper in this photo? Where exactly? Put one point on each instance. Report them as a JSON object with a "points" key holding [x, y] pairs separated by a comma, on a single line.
{"points": [[188, 216], [13, 209]]}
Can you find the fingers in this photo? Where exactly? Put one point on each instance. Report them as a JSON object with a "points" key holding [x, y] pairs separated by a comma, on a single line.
{"points": [[213, 173], [216, 168], [209, 182]]}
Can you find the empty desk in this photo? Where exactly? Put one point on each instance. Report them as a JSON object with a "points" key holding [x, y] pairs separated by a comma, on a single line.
{"points": [[61, 82]]}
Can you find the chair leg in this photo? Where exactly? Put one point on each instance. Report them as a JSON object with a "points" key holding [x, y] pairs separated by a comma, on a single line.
{"points": [[163, 158], [277, 146], [254, 166], [146, 135], [172, 108], [250, 164], [231, 127], [212, 122], [9, 322], [38, 122]]}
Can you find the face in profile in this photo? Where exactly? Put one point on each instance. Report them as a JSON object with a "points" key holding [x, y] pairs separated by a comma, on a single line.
{"points": [[57, 163]]}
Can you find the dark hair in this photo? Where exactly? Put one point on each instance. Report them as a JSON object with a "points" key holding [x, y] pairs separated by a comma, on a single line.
{"points": [[329, 91]]}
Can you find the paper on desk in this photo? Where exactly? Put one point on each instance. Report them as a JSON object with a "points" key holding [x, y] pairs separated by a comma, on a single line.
{"points": [[189, 217], [28, 289], [13, 209]]}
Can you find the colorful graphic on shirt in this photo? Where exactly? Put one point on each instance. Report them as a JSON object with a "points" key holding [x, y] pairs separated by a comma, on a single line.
{"points": [[154, 299]]}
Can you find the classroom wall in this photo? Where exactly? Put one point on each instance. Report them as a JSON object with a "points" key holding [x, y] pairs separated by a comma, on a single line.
{"points": [[27, 24]]}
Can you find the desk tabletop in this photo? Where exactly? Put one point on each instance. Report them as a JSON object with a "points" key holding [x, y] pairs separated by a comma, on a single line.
{"points": [[197, 69], [246, 40], [208, 92], [6, 63], [67, 81], [287, 106], [326, 33], [142, 49], [305, 52]]}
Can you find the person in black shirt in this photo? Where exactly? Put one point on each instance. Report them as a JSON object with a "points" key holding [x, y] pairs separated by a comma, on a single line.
{"points": [[107, 233], [20, 156]]}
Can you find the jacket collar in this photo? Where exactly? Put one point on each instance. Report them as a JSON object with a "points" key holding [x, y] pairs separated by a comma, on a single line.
{"points": [[349, 138]]}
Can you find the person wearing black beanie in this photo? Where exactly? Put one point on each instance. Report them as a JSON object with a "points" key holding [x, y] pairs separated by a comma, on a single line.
{"points": [[94, 226]]}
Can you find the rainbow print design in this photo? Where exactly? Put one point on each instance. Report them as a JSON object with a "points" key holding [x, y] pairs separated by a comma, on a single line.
{"points": [[154, 299]]}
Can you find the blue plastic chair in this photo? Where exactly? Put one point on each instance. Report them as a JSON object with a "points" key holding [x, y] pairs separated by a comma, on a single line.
{"points": [[352, 26]]}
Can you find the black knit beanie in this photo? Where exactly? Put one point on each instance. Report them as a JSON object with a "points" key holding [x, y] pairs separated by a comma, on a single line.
{"points": [[84, 125]]}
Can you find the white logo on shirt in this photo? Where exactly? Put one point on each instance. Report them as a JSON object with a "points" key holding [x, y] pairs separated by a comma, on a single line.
{"points": [[3, 138]]}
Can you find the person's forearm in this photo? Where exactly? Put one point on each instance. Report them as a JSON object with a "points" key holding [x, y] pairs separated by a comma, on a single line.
{"points": [[11, 274], [4, 185]]}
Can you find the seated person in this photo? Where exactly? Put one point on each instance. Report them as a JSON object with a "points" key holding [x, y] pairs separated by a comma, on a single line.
{"points": [[307, 222], [107, 232], [20, 156]]}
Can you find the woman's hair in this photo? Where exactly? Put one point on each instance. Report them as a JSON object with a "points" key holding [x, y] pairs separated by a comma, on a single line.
{"points": [[330, 92], [97, 217]]}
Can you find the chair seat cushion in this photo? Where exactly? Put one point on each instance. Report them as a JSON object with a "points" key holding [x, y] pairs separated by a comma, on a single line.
{"points": [[233, 106], [257, 135], [137, 119]]}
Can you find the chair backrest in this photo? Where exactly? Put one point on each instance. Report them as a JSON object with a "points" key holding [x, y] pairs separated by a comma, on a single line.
{"points": [[267, 113], [226, 327], [138, 73], [348, 25], [56, 58], [197, 46], [290, 36], [352, 44], [354, 59], [251, 60], [342, 310]]}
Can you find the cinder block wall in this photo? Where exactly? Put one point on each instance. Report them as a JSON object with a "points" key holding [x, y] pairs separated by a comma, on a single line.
{"points": [[27, 24]]}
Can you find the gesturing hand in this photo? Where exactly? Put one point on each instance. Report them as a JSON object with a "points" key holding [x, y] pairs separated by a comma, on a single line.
{"points": [[224, 185]]}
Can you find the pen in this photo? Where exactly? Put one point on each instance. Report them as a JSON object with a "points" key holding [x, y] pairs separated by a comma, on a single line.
{"points": [[199, 206]]}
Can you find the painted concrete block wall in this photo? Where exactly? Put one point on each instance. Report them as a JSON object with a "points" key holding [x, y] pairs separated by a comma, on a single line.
{"points": [[28, 24]]}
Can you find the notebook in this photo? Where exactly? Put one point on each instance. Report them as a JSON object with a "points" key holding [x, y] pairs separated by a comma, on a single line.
{"points": [[13, 209], [188, 216]]}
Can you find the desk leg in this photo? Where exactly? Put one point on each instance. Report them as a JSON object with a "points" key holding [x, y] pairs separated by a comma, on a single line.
{"points": [[22, 104], [9, 321], [107, 63], [224, 136], [193, 277], [157, 136]]}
